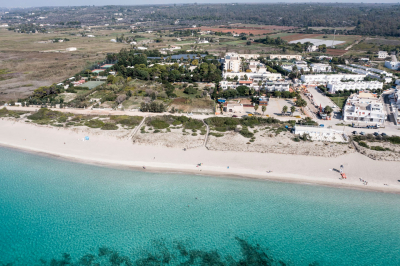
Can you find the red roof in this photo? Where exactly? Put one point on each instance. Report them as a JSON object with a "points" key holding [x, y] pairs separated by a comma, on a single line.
{"points": [[245, 81]]}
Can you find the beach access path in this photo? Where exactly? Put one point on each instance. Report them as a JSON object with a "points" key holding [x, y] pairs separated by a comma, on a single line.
{"points": [[123, 153]]}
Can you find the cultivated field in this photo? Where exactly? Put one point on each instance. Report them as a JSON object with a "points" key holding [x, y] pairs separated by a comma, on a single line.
{"points": [[299, 36], [260, 30], [336, 52]]}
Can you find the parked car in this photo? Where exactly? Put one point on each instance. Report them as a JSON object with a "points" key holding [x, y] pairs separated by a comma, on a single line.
{"points": [[362, 133], [354, 132], [376, 134], [234, 116], [383, 134]]}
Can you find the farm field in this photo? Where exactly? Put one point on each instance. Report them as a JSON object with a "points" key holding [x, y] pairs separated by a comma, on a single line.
{"points": [[246, 30], [382, 41], [332, 28], [281, 35], [336, 52], [300, 36], [255, 26]]}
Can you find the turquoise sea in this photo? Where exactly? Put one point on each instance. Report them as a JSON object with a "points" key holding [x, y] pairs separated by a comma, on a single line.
{"points": [[55, 212]]}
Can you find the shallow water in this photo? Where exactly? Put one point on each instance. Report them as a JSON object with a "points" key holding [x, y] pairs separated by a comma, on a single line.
{"points": [[49, 207]]}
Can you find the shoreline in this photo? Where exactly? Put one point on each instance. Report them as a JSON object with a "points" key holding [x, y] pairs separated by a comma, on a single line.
{"points": [[108, 151], [159, 170]]}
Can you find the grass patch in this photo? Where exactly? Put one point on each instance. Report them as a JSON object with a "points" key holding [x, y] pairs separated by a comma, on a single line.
{"points": [[109, 126], [125, 120], [218, 135], [8, 113], [47, 116], [94, 123]]}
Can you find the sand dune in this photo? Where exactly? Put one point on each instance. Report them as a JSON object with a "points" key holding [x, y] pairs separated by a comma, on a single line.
{"points": [[118, 151]]}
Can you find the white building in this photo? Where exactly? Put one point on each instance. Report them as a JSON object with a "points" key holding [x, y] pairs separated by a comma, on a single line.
{"points": [[286, 56], [395, 103], [141, 48], [321, 133], [71, 49], [373, 70], [364, 109], [322, 57], [277, 86], [319, 68], [392, 65], [382, 54], [323, 78], [254, 76], [300, 65], [360, 85], [232, 63], [257, 67]]}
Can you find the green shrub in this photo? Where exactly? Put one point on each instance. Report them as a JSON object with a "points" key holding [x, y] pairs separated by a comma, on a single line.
{"points": [[363, 144], [176, 122], [194, 134], [246, 133], [159, 124], [94, 123], [379, 148], [109, 126], [296, 139], [125, 120], [218, 135], [62, 119], [45, 113], [156, 131], [394, 139]]}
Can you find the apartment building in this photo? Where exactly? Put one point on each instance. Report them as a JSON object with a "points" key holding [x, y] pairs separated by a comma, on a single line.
{"points": [[285, 56], [394, 65], [360, 85], [382, 54], [324, 78], [320, 68], [277, 86], [374, 70], [364, 109]]}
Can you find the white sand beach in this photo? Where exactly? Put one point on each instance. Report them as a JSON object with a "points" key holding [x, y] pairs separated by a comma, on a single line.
{"points": [[116, 150]]}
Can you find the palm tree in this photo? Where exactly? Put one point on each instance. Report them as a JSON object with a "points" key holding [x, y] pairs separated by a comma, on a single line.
{"points": [[292, 109], [284, 109], [264, 108], [256, 107]]}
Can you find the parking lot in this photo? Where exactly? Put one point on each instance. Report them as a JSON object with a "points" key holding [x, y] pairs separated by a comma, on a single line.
{"points": [[275, 106], [320, 99]]}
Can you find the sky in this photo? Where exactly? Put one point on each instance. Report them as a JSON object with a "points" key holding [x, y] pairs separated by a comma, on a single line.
{"points": [[37, 3]]}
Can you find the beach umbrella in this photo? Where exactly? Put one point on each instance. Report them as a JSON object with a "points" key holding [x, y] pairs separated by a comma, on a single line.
{"points": [[86, 138]]}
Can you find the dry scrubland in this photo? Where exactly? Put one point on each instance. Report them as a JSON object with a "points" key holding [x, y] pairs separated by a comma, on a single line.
{"points": [[172, 131], [183, 132], [26, 67], [266, 141], [391, 152]]}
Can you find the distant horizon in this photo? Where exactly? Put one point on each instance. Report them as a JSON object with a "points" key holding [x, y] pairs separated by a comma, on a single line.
{"points": [[78, 3]]}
